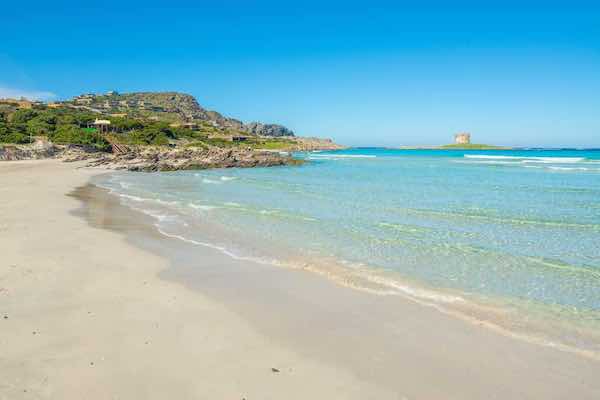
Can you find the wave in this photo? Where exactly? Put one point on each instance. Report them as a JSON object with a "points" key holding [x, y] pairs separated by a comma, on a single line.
{"points": [[343, 156], [573, 169], [221, 249], [228, 178], [490, 162], [211, 181], [145, 200], [202, 207], [404, 227], [554, 160]]}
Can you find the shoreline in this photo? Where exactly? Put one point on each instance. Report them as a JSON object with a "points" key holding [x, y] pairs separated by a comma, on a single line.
{"points": [[348, 344], [534, 323]]}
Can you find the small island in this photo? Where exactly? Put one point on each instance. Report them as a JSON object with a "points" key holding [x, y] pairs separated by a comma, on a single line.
{"points": [[462, 141], [472, 146]]}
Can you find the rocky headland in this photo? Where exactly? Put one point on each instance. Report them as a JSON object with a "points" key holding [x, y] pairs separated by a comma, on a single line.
{"points": [[144, 131]]}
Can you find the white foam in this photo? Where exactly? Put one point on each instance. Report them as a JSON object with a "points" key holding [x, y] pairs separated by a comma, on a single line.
{"points": [[344, 155], [557, 160], [154, 214], [554, 160], [202, 207], [210, 181], [130, 197], [572, 169], [268, 212], [144, 200], [487, 162], [228, 178], [413, 291], [222, 249]]}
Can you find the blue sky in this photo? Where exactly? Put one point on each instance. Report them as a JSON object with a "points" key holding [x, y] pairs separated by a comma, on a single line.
{"points": [[365, 73]]}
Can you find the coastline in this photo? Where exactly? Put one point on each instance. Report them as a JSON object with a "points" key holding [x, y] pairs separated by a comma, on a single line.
{"points": [[346, 343]]}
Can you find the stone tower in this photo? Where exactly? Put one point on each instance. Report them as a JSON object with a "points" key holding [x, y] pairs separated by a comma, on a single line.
{"points": [[462, 138]]}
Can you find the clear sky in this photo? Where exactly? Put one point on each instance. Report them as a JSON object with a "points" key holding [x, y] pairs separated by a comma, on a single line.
{"points": [[365, 73]]}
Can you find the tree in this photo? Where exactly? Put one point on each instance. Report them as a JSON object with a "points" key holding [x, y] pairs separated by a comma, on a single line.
{"points": [[73, 134], [22, 116], [42, 124], [126, 124], [10, 134]]}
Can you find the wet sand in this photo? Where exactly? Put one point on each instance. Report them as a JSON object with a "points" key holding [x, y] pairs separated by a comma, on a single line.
{"points": [[160, 318]]}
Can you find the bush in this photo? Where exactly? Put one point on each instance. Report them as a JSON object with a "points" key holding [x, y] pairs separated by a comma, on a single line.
{"points": [[147, 136], [42, 124], [72, 134], [23, 116], [126, 124], [10, 135], [155, 134]]}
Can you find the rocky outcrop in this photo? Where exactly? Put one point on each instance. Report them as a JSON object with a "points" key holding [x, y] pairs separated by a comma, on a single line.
{"points": [[312, 144], [188, 109], [151, 158], [27, 152], [256, 128]]}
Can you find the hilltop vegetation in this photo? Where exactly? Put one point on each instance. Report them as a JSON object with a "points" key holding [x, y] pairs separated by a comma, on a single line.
{"points": [[59, 126], [66, 125]]}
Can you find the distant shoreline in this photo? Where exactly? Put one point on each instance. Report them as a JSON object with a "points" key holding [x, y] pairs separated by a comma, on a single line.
{"points": [[454, 147], [487, 148]]}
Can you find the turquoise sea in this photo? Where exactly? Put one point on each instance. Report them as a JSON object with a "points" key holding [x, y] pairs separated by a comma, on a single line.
{"points": [[508, 237]]}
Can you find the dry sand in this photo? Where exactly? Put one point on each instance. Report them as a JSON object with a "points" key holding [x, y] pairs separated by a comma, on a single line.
{"points": [[123, 313]]}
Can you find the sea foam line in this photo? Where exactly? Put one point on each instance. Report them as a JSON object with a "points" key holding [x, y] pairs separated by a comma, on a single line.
{"points": [[558, 160], [343, 155]]}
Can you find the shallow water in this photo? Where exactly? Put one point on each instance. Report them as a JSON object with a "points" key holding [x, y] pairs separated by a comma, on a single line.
{"points": [[512, 229]]}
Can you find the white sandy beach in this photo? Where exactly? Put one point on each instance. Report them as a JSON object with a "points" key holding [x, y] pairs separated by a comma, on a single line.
{"points": [[88, 318], [85, 314]]}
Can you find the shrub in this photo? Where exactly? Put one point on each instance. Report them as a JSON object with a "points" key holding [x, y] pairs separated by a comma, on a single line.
{"points": [[10, 135], [72, 134], [23, 116]]}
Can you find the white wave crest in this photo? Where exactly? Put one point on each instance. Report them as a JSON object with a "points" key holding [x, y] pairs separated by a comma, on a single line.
{"points": [[532, 159], [203, 207], [210, 181], [573, 169], [144, 200], [343, 156]]}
